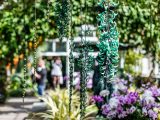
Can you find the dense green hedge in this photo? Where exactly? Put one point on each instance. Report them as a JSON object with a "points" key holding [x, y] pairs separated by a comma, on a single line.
{"points": [[133, 23]]}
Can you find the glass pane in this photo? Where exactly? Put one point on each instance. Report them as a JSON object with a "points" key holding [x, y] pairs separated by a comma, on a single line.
{"points": [[92, 46], [61, 47], [47, 47]]}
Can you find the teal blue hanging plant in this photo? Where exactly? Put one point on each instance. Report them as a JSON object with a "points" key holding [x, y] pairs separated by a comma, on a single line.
{"points": [[108, 46]]}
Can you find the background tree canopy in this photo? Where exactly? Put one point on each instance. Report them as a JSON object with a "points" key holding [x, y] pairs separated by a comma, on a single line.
{"points": [[134, 23], [17, 21]]}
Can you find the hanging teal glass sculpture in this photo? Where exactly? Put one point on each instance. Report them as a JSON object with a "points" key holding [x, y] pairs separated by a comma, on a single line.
{"points": [[108, 46]]}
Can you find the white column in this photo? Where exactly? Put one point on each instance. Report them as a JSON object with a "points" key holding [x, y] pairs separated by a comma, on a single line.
{"points": [[145, 67], [156, 69], [53, 46], [122, 59]]}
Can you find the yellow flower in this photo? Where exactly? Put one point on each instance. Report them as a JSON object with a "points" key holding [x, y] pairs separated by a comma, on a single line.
{"points": [[131, 89]]}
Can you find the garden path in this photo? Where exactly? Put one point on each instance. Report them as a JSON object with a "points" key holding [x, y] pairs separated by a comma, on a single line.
{"points": [[15, 109]]}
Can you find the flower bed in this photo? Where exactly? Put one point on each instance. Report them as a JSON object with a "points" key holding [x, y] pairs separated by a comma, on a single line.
{"points": [[128, 102]]}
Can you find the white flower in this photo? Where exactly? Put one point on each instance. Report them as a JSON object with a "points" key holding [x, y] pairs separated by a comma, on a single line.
{"points": [[147, 97], [121, 86], [147, 93], [144, 111], [113, 102], [149, 100], [132, 109], [104, 93]]}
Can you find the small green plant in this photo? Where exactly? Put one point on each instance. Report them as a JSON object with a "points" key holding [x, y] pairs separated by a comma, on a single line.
{"points": [[58, 107], [16, 85]]}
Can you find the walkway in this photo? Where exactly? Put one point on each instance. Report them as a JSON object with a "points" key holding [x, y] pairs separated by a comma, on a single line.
{"points": [[15, 109]]}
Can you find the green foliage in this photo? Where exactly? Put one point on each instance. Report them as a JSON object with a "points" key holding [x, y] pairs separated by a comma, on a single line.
{"points": [[134, 24], [85, 62], [16, 85], [132, 59], [63, 17], [17, 30], [58, 101], [79, 5], [17, 21]]}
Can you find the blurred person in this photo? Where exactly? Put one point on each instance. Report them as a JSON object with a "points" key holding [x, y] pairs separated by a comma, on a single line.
{"points": [[56, 72], [96, 78], [40, 76]]}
